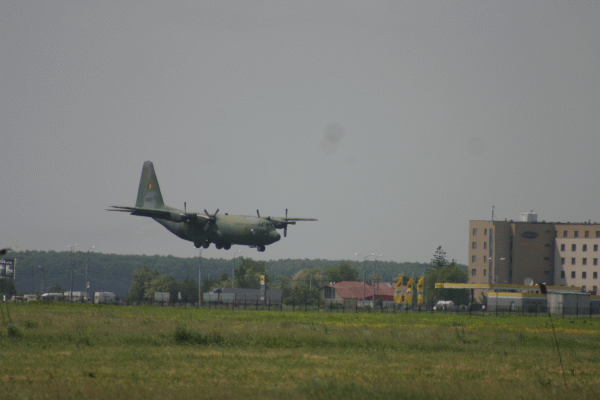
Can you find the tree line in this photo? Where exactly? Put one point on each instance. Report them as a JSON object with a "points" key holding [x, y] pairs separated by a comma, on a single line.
{"points": [[138, 275]]}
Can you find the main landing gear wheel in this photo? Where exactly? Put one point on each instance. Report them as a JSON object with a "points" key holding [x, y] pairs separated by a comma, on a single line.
{"points": [[261, 248]]}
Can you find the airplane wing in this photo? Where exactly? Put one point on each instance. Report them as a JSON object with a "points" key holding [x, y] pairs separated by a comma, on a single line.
{"points": [[169, 215], [281, 222]]}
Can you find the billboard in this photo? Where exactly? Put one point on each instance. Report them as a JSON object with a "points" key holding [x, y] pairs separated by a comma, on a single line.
{"points": [[7, 268]]}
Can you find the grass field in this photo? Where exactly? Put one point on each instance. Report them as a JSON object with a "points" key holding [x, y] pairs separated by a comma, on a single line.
{"points": [[74, 351]]}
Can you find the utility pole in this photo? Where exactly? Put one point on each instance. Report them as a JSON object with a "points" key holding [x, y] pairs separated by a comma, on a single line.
{"points": [[43, 277], [233, 269], [199, 277], [363, 288], [72, 270], [87, 282]]}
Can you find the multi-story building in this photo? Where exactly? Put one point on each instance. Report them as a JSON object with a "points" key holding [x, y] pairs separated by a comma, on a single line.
{"points": [[556, 253]]}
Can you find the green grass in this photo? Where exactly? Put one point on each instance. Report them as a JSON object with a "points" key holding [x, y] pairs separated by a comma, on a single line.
{"points": [[70, 351]]}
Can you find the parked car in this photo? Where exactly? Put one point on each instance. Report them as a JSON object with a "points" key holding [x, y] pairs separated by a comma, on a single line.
{"points": [[443, 305]]}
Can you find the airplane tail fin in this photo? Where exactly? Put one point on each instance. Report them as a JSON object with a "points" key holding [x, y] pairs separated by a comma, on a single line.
{"points": [[149, 195]]}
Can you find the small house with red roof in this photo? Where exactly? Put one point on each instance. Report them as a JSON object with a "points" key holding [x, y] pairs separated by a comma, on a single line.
{"points": [[349, 294]]}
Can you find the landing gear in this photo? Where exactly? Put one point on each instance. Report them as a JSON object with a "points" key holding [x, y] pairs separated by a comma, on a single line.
{"points": [[260, 248], [206, 243]]}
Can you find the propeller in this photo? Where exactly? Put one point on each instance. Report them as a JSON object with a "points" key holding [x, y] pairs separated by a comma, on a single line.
{"points": [[185, 217], [287, 222], [212, 219], [281, 222]]}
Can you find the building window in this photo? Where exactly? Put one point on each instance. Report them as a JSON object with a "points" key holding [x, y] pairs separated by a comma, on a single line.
{"points": [[595, 275], [485, 272], [584, 247], [474, 246], [598, 234], [573, 247], [586, 234], [576, 234], [573, 274], [473, 258], [473, 272], [595, 261], [474, 231], [485, 232], [583, 275], [329, 292], [562, 274], [563, 247], [573, 261], [485, 245], [565, 233], [595, 247], [584, 261], [562, 261], [484, 258]]}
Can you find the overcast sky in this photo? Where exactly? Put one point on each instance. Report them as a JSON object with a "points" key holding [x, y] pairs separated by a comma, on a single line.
{"points": [[393, 123]]}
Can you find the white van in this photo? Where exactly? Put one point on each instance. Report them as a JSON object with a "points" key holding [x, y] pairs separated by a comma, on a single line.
{"points": [[105, 298], [51, 296]]}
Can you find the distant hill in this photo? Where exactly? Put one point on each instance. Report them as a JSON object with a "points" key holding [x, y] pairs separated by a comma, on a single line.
{"points": [[113, 273]]}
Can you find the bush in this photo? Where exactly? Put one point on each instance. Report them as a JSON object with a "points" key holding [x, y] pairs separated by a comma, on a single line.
{"points": [[13, 331]]}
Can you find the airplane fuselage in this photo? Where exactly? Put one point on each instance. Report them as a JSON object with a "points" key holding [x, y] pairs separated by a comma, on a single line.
{"points": [[225, 231]]}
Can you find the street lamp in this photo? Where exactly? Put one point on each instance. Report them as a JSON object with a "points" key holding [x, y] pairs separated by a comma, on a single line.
{"points": [[365, 260], [72, 247], [87, 282]]}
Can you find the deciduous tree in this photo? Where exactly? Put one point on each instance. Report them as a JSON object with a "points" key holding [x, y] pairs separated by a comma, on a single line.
{"points": [[450, 273]]}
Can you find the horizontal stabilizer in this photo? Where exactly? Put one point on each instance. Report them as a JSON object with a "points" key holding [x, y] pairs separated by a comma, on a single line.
{"points": [[173, 216]]}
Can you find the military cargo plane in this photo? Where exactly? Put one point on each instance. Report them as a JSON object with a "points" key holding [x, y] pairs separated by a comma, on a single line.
{"points": [[223, 230]]}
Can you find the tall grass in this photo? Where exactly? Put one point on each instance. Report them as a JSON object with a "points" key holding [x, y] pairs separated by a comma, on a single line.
{"points": [[86, 351]]}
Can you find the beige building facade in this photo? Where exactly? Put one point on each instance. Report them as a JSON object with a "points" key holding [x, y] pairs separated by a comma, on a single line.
{"points": [[565, 254]]}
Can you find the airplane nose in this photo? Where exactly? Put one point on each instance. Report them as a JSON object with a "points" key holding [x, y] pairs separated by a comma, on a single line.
{"points": [[276, 236]]}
